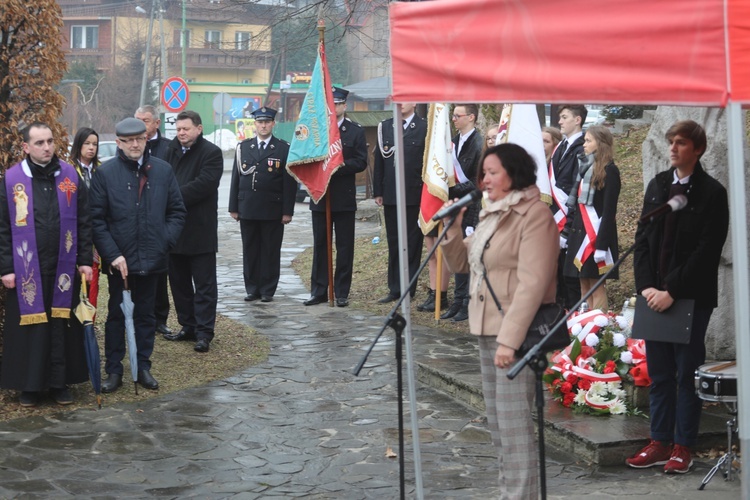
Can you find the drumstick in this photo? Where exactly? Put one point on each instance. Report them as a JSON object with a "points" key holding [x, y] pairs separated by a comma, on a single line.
{"points": [[722, 366]]}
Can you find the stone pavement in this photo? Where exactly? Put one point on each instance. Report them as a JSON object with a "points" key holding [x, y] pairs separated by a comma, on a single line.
{"points": [[298, 425]]}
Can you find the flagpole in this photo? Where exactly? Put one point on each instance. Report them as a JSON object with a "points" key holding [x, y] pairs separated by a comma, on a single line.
{"points": [[329, 224], [439, 277]]}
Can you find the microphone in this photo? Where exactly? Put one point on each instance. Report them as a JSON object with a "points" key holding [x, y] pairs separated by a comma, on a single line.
{"points": [[453, 209], [676, 203]]}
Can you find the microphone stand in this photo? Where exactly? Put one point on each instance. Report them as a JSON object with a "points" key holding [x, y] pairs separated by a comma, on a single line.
{"points": [[398, 323], [536, 358]]}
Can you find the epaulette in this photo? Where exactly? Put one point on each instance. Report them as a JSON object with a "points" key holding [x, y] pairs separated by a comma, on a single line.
{"points": [[347, 119]]}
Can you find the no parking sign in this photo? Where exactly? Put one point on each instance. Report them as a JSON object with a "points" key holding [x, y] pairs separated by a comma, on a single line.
{"points": [[175, 94]]}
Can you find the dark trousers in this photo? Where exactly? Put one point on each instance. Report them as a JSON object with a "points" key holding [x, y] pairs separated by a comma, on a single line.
{"points": [[261, 255], [343, 229], [143, 294], [414, 241], [161, 304], [568, 289], [675, 407], [195, 292]]}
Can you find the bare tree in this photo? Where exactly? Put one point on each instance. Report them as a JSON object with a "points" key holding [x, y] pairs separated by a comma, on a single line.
{"points": [[31, 64]]}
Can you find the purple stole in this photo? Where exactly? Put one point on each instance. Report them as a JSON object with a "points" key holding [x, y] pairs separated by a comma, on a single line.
{"points": [[25, 255]]}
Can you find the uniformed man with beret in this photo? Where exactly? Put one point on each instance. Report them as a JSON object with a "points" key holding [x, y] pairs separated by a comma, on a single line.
{"points": [[261, 198], [384, 191], [343, 192]]}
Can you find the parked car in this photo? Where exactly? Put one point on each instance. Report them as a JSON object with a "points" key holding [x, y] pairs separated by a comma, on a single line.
{"points": [[107, 150], [594, 117]]}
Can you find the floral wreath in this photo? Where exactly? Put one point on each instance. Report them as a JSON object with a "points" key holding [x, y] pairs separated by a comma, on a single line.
{"points": [[587, 375]]}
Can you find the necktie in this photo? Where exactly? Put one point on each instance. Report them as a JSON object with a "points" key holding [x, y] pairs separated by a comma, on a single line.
{"points": [[263, 145], [563, 148], [87, 176], [403, 123]]}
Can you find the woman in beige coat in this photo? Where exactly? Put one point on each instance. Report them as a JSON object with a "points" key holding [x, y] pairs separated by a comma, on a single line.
{"points": [[515, 247]]}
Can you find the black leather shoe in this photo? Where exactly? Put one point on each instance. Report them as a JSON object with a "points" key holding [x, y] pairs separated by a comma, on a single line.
{"points": [[452, 310], [342, 302], [251, 297], [429, 303], [201, 346], [163, 329], [183, 334], [388, 298], [462, 315], [111, 383], [266, 298], [28, 399], [61, 396], [315, 300], [147, 381]]}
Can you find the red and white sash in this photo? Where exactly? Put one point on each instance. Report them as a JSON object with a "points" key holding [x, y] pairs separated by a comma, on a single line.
{"points": [[591, 222], [559, 197]]}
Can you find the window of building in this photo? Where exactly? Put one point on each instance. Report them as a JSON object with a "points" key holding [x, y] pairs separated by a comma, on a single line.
{"points": [[84, 37], [213, 39], [178, 38], [242, 40]]}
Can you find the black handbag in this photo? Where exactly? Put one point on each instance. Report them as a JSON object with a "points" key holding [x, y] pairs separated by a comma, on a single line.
{"points": [[545, 318]]}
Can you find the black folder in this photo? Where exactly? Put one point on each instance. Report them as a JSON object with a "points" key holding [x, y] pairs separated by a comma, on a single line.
{"points": [[673, 325]]}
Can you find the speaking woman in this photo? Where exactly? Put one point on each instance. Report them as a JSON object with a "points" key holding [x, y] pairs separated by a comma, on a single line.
{"points": [[513, 251]]}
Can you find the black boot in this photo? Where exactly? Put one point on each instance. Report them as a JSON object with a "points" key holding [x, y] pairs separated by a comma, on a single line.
{"points": [[443, 301], [452, 310], [429, 303], [463, 313]]}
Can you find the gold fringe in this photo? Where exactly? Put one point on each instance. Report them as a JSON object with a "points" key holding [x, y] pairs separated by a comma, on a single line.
{"points": [[33, 319], [59, 312]]}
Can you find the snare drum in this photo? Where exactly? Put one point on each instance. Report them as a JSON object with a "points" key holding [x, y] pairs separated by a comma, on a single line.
{"points": [[717, 381]]}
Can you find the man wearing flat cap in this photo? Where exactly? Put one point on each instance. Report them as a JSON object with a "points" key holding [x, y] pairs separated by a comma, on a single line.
{"points": [[137, 216], [261, 198], [343, 193]]}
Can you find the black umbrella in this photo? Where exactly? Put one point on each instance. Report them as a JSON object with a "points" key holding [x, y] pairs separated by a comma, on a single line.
{"points": [[85, 312]]}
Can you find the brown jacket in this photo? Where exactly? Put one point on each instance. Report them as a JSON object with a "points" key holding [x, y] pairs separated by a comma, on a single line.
{"points": [[521, 263]]}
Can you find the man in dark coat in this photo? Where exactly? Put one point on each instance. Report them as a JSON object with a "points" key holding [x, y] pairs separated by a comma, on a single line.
{"points": [[157, 147], [137, 216], [343, 193], [43, 252], [198, 166], [468, 144], [563, 179], [261, 198], [677, 257], [384, 191]]}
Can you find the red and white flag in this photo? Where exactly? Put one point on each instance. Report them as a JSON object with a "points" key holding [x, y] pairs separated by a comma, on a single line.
{"points": [[437, 172]]}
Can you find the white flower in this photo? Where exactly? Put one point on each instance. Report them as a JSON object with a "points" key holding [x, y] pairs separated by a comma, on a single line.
{"points": [[619, 393], [592, 340], [601, 321], [576, 329], [596, 399], [622, 322], [613, 386], [617, 407], [626, 357], [619, 340], [580, 398], [597, 388]]}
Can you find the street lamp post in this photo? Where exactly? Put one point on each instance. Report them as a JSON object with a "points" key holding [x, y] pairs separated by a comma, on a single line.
{"points": [[144, 80], [184, 39]]}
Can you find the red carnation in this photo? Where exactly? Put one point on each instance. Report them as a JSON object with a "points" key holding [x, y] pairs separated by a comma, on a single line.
{"points": [[571, 378], [556, 382], [566, 388], [640, 375], [584, 384], [568, 399], [609, 367], [587, 351]]}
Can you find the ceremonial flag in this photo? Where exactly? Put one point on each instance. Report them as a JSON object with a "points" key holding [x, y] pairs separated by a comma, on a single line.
{"points": [[316, 153], [437, 170], [519, 124]]}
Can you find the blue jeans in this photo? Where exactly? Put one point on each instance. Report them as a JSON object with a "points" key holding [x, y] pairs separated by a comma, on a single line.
{"points": [[675, 407]]}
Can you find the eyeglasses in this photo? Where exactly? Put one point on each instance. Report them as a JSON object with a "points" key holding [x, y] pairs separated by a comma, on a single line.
{"points": [[491, 139], [132, 140], [456, 117]]}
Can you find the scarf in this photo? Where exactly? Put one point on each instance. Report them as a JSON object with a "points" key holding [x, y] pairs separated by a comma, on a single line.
{"points": [[489, 220], [18, 183]]}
